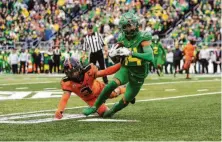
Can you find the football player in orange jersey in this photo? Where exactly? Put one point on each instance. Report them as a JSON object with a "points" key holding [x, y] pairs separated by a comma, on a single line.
{"points": [[189, 53], [82, 82]]}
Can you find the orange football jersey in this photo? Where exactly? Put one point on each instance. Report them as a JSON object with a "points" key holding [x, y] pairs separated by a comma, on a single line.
{"points": [[88, 89], [189, 51]]}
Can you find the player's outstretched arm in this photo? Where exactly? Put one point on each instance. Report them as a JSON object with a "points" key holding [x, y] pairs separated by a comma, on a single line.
{"points": [[148, 52], [108, 71], [62, 104]]}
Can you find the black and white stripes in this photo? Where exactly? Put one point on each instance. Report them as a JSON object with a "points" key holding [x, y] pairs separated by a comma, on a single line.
{"points": [[93, 43]]}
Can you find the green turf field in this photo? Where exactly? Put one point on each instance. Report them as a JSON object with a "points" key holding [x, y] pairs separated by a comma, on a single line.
{"points": [[167, 109]]}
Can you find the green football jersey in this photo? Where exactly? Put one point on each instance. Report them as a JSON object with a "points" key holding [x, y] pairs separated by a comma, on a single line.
{"points": [[157, 49], [135, 46], [137, 67]]}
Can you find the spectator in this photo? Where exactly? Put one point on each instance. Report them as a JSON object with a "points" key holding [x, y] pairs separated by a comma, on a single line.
{"points": [[197, 62], [37, 59], [218, 56], [177, 56], [56, 59], [213, 59], [169, 61], [50, 60], [23, 61], [13, 61], [204, 57]]}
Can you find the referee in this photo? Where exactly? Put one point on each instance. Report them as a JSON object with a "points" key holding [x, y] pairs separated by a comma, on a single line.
{"points": [[94, 43]]}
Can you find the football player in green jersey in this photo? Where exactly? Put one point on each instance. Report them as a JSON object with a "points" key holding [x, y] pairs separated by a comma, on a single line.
{"points": [[135, 46], [159, 54]]}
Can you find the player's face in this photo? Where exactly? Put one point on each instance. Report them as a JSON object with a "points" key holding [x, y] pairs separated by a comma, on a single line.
{"points": [[129, 29]]}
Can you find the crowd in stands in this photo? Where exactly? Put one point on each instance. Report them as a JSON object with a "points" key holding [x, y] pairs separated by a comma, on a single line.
{"points": [[203, 25], [28, 20], [33, 20]]}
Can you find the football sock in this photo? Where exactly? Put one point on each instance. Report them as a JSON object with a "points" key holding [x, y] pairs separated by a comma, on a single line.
{"points": [[122, 90], [118, 106], [105, 93], [118, 91]]}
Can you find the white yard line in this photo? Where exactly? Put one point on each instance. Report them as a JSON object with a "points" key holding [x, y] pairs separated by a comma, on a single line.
{"points": [[21, 88], [168, 90], [202, 90], [8, 84], [175, 82], [50, 88], [107, 120], [57, 90], [147, 100]]}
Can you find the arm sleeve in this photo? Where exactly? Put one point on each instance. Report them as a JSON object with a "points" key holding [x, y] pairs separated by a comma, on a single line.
{"points": [[63, 101], [109, 70], [147, 55]]}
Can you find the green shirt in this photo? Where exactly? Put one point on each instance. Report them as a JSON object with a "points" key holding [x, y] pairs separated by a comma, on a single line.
{"points": [[135, 46], [137, 67]]}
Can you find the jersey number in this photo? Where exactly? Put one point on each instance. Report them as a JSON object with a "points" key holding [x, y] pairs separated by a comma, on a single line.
{"points": [[155, 50], [86, 91], [131, 59]]}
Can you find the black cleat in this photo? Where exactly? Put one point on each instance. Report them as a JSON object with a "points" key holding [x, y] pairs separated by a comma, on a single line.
{"points": [[133, 101]]}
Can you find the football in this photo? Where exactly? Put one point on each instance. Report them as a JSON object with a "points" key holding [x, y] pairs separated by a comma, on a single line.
{"points": [[116, 58]]}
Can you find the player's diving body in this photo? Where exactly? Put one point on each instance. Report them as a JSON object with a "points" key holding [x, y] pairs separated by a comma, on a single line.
{"points": [[134, 67], [189, 53], [159, 54], [82, 82]]}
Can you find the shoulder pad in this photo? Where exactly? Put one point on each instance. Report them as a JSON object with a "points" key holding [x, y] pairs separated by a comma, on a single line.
{"points": [[65, 79], [87, 68], [146, 35]]}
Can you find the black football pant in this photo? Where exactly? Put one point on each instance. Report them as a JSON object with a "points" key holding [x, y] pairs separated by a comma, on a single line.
{"points": [[98, 56]]}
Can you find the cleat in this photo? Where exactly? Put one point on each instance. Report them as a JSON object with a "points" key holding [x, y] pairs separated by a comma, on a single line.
{"points": [[89, 110], [108, 114], [133, 101]]}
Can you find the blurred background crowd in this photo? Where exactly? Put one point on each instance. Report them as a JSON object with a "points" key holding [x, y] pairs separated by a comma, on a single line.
{"points": [[42, 33]]}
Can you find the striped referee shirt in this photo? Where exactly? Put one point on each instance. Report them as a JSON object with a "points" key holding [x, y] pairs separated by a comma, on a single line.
{"points": [[93, 43]]}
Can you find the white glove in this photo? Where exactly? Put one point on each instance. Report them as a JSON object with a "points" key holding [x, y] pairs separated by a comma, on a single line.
{"points": [[123, 51], [112, 52]]}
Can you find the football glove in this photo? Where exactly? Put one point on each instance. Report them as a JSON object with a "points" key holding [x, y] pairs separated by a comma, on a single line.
{"points": [[123, 51], [112, 52], [58, 114]]}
